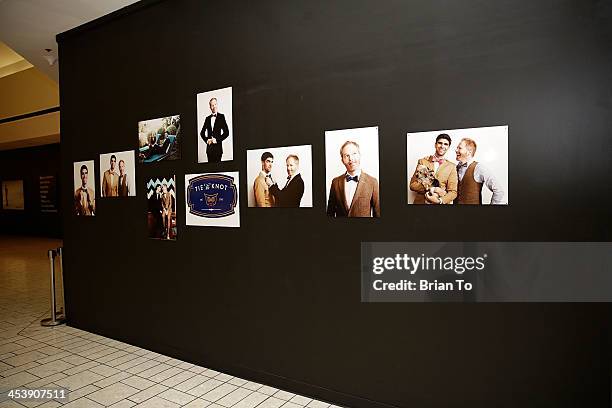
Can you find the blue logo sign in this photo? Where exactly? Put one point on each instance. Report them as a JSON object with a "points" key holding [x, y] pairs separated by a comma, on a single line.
{"points": [[212, 195]]}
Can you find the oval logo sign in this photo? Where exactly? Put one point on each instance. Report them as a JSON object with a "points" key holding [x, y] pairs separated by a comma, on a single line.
{"points": [[212, 195]]}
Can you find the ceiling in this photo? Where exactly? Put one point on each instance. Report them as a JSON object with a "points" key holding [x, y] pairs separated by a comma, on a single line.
{"points": [[30, 26]]}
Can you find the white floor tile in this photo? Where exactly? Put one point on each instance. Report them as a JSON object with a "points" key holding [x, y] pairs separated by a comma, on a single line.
{"points": [[157, 402], [178, 397], [113, 394]]}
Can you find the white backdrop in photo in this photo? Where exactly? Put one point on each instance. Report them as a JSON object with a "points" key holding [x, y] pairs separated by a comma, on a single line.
{"points": [[229, 221], [130, 168], [91, 178], [491, 151], [366, 138], [279, 169], [224, 106]]}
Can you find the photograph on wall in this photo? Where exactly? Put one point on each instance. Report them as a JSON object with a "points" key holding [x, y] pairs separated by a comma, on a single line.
{"points": [[12, 195], [84, 177], [117, 177], [280, 177], [458, 166], [212, 199], [159, 139], [351, 172], [161, 208], [215, 132]]}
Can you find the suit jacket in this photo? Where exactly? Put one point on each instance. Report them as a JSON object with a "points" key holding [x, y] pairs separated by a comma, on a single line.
{"points": [[86, 206], [291, 194], [219, 132], [263, 198], [365, 202], [110, 188], [166, 202], [446, 175], [123, 187]]}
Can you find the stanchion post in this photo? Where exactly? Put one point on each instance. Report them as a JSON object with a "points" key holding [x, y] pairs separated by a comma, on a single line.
{"points": [[53, 321]]}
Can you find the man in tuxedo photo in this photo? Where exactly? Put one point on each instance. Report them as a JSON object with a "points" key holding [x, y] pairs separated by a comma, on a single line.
{"points": [[84, 196], [473, 175], [214, 132], [444, 172], [263, 198], [353, 193], [110, 180], [292, 192]]}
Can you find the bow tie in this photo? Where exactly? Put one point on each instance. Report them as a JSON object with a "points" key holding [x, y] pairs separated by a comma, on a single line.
{"points": [[83, 189], [354, 178], [214, 115], [269, 175], [435, 159], [461, 165]]}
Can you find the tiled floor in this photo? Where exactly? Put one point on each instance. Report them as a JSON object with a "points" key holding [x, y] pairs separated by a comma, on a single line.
{"points": [[100, 372]]}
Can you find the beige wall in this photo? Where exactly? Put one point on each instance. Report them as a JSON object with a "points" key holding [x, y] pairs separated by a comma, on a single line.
{"points": [[27, 91]]}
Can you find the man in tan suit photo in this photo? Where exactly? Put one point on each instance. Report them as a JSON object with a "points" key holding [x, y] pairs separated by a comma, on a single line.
{"points": [[444, 171], [263, 198], [354, 193], [110, 180], [84, 196]]}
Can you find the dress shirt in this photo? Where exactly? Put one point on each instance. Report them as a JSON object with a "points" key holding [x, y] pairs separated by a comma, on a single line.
{"points": [[350, 187]]}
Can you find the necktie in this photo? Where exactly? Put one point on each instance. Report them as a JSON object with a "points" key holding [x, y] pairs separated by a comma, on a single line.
{"points": [[354, 178]]}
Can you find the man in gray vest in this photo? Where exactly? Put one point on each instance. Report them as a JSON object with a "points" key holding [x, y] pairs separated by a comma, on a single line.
{"points": [[123, 185], [472, 175]]}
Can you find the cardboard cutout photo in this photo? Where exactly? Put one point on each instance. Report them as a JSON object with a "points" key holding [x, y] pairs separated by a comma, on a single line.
{"points": [[351, 172], [212, 199], [161, 208], [159, 139], [12, 195], [84, 192], [280, 177], [458, 166], [215, 132], [117, 174]]}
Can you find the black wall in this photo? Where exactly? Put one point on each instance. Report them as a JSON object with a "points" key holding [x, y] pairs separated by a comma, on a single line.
{"points": [[287, 311], [29, 164]]}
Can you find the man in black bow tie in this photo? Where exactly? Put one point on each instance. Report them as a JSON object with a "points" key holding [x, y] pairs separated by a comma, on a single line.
{"points": [[292, 192], [354, 193], [84, 196], [214, 132]]}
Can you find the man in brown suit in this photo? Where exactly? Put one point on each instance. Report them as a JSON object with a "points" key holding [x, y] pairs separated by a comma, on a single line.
{"points": [[354, 193], [445, 172], [110, 180], [84, 196], [263, 198]]}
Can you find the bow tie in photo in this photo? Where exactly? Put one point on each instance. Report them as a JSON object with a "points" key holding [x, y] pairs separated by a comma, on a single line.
{"points": [[435, 159], [354, 178], [460, 165]]}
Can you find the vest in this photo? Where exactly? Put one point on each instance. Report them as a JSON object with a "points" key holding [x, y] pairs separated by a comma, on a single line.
{"points": [[468, 190], [123, 191]]}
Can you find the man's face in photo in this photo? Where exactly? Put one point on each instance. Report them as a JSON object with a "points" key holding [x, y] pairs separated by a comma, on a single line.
{"points": [[213, 105], [113, 161], [442, 146], [122, 167], [351, 158], [292, 166], [266, 165], [84, 175], [463, 154]]}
